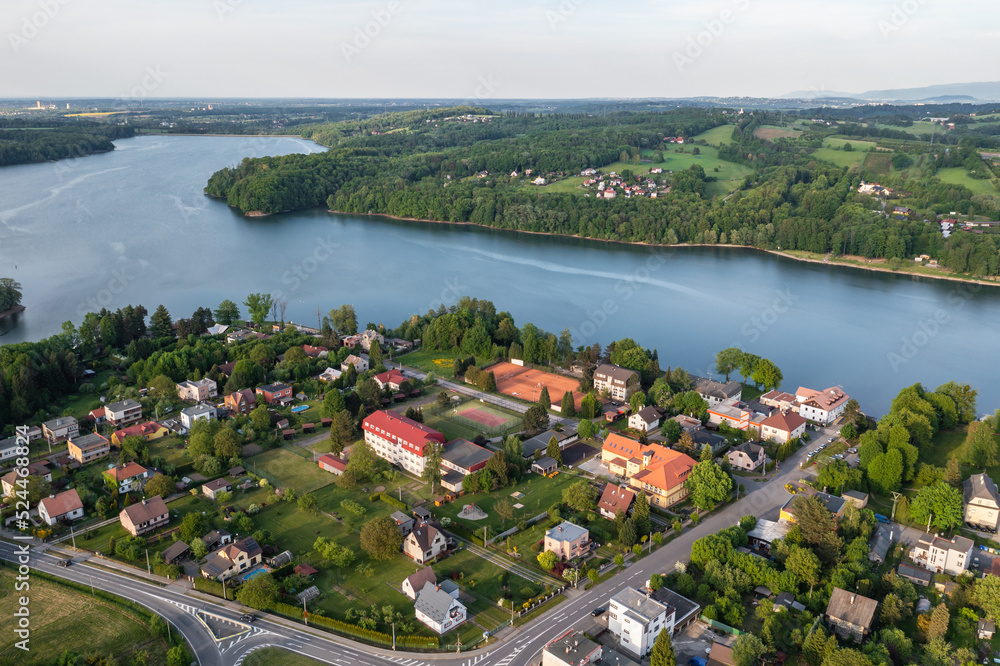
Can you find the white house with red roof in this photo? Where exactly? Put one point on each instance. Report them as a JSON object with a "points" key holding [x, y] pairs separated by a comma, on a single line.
{"points": [[391, 379], [822, 407], [782, 426], [399, 440], [64, 506], [332, 464], [315, 352]]}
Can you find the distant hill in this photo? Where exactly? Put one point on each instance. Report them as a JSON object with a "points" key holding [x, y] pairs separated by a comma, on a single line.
{"points": [[988, 91]]}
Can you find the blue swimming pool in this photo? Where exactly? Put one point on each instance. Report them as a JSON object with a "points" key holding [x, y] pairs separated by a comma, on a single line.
{"points": [[253, 573], [300, 408]]}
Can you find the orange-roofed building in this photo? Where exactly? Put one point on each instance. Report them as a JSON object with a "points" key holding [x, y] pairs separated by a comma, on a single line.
{"points": [[149, 431], [655, 469]]}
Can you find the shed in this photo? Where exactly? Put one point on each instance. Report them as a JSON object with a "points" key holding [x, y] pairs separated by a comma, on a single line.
{"points": [[306, 570], [545, 465], [287, 434], [175, 551], [308, 427], [237, 471]]}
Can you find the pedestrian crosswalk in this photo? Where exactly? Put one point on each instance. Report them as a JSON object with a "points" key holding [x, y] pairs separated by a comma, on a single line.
{"points": [[510, 657]]}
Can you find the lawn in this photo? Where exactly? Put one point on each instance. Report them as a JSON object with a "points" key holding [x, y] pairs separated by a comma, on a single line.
{"points": [[438, 362], [878, 163], [288, 469], [839, 158], [838, 143], [717, 136], [171, 449], [97, 540], [62, 618], [770, 132], [274, 656], [959, 176]]}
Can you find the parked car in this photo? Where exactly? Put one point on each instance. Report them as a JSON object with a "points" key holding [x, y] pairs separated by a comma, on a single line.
{"points": [[696, 661], [975, 562], [880, 518], [597, 611]]}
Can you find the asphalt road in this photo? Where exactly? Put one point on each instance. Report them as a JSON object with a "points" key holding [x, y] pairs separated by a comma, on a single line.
{"points": [[519, 648]]}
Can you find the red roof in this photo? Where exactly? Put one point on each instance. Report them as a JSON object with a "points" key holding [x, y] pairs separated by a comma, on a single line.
{"points": [[390, 377], [785, 421], [330, 461], [98, 413], [406, 432], [305, 570], [137, 430], [62, 503], [314, 351], [127, 472], [616, 498]]}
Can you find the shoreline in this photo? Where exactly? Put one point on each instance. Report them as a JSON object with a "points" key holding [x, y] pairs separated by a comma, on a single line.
{"points": [[779, 253], [16, 310]]}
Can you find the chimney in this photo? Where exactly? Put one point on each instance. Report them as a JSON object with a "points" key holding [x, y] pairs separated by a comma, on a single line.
{"points": [[853, 597]]}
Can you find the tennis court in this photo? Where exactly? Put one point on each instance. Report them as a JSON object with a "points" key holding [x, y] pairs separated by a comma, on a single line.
{"points": [[526, 383], [487, 419]]}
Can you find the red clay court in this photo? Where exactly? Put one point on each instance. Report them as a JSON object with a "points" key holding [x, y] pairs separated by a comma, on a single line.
{"points": [[480, 416], [526, 383]]}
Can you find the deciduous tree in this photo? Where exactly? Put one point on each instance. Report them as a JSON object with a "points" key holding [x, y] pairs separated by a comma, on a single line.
{"points": [[381, 538]]}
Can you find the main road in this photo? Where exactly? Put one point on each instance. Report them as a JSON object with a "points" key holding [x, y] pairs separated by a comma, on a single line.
{"points": [[196, 618]]}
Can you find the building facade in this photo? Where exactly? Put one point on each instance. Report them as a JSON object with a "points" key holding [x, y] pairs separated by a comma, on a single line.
{"points": [[619, 383], [399, 440], [637, 619]]}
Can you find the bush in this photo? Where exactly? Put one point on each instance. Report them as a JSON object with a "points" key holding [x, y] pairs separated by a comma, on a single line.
{"points": [[392, 501]]}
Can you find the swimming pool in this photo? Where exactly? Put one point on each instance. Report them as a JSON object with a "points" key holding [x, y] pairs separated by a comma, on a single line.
{"points": [[253, 573], [300, 408]]}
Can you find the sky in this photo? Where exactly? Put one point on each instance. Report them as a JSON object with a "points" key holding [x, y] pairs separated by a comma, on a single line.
{"points": [[473, 49]]}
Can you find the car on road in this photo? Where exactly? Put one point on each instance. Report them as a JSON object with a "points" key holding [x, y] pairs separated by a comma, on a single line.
{"points": [[880, 518], [248, 617], [597, 611], [975, 562], [64, 563]]}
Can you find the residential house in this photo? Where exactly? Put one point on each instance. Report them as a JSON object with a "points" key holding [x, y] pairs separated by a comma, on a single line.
{"points": [[149, 431], [545, 465], [540, 442], [65, 506], [360, 363], [646, 419], [942, 555], [747, 456], [685, 610], [9, 485], [318, 351], [390, 379], [571, 649], [122, 413], [620, 383], [415, 582], [714, 392], [330, 375], [233, 336], [782, 426], [9, 448], [127, 479], [216, 486], [404, 522], [850, 614], [217, 539], [985, 629], [241, 402], [655, 469], [856, 498], [982, 502], [459, 459], [916, 575], [62, 428], [438, 610], [197, 413], [197, 391], [424, 543], [823, 407], [731, 412], [881, 542], [369, 337], [144, 516], [97, 416], [399, 440], [615, 499], [637, 619], [764, 534], [567, 540], [779, 400], [834, 505], [232, 559], [87, 448], [275, 394], [332, 464]]}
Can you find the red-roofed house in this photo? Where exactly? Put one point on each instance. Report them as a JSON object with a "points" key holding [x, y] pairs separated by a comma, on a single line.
{"points": [[659, 471], [399, 440], [782, 426], [149, 431], [64, 506], [241, 402], [392, 379], [98, 415], [275, 393], [127, 478], [332, 464], [821, 406], [144, 516], [614, 499], [315, 352]]}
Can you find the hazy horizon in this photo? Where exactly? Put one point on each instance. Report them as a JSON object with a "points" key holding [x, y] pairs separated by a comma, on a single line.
{"points": [[443, 49]]}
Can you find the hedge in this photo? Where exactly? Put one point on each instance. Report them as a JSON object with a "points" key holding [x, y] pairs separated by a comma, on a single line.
{"points": [[390, 500], [318, 619], [213, 587]]}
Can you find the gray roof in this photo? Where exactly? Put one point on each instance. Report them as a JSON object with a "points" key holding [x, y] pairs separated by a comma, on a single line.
{"points": [[855, 494], [980, 486], [89, 440], [465, 454], [541, 441], [572, 648], [8, 443], [449, 586], [852, 608], [60, 422], [960, 544], [909, 571], [175, 550], [716, 389], [198, 410], [566, 531], [683, 607], [400, 517], [769, 530], [128, 403], [615, 372], [881, 542], [434, 602], [216, 564], [546, 462], [649, 414], [751, 449], [642, 605]]}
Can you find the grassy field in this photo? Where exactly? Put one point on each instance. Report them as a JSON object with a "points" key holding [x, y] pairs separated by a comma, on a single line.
{"points": [[98, 539], [274, 656], [879, 163], [285, 468], [539, 494], [917, 129], [769, 132], [959, 176], [717, 136], [438, 362], [838, 142], [838, 157], [171, 448], [62, 619]]}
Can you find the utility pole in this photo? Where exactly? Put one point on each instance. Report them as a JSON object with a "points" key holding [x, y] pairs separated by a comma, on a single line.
{"points": [[149, 569], [393, 635], [305, 613], [72, 536], [895, 500], [224, 590], [92, 587]]}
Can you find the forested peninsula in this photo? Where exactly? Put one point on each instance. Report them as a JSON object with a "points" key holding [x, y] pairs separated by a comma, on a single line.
{"points": [[688, 175]]}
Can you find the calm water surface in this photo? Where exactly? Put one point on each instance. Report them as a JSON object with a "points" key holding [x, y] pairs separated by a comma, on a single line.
{"points": [[133, 226]]}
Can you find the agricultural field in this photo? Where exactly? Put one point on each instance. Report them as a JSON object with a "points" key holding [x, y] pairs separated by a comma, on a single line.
{"points": [[717, 136], [878, 163], [918, 128], [959, 176], [65, 618], [286, 468], [436, 361], [838, 143], [838, 157], [770, 132]]}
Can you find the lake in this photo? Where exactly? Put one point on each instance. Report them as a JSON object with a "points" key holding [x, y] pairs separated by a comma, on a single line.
{"points": [[133, 226]]}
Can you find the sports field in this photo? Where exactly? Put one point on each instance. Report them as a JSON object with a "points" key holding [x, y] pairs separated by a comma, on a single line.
{"points": [[526, 383], [484, 417]]}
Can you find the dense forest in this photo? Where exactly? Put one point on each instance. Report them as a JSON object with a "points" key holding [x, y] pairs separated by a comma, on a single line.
{"points": [[43, 142]]}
